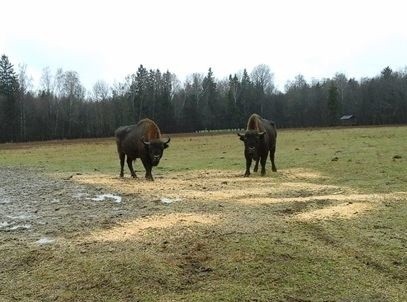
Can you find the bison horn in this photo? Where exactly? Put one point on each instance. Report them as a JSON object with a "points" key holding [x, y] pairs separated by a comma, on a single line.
{"points": [[144, 142], [168, 140], [241, 136]]}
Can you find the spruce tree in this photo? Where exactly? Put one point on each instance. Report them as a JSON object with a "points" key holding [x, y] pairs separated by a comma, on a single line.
{"points": [[333, 104], [8, 101]]}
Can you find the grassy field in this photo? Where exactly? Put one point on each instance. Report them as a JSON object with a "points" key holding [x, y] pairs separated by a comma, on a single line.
{"points": [[330, 225], [364, 158]]}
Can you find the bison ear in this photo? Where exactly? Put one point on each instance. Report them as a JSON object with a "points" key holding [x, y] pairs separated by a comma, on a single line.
{"points": [[241, 136]]}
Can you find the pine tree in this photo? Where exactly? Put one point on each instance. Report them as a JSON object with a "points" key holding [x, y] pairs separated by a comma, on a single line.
{"points": [[233, 110], [211, 109], [8, 77], [333, 104], [167, 114], [141, 93], [247, 96], [8, 101]]}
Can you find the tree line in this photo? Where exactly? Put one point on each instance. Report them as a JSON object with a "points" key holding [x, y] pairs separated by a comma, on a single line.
{"points": [[61, 108]]}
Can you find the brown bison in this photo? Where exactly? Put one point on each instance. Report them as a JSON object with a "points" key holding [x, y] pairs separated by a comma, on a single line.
{"points": [[259, 138], [140, 141]]}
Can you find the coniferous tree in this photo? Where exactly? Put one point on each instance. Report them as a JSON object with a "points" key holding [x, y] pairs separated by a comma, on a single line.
{"points": [[8, 101], [165, 108], [333, 104], [247, 96], [233, 106], [141, 93], [210, 111]]}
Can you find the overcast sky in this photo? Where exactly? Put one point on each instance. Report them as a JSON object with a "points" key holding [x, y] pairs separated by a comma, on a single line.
{"points": [[107, 40]]}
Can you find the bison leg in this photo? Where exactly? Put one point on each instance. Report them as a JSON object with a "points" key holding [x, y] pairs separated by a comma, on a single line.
{"points": [[263, 164], [273, 166], [122, 156], [256, 166], [130, 164], [248, 164], [149, 176], [148, 168]]}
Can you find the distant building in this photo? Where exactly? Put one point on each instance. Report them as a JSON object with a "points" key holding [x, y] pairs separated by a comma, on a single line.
{"points": [[348, 120]]}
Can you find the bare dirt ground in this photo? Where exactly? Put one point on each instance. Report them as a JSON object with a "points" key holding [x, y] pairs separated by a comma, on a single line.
{"points": [[36, 208]]}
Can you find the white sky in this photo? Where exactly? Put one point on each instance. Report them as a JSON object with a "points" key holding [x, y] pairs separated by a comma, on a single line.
{"points": [[107, 40]]}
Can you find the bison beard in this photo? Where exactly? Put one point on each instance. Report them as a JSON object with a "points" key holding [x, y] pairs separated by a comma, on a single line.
{"points": [[259, 139], [140, 141]]}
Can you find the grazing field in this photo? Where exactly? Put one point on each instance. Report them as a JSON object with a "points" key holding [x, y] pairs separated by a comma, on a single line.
{"points": [[330, 225]]}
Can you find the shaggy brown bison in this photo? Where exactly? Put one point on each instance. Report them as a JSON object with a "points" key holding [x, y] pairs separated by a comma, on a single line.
{"points": [[143, 141], [259, 138]]}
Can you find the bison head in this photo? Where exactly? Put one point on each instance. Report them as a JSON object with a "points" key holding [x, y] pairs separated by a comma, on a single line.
{"points": [[155, 149], [252, 140]]}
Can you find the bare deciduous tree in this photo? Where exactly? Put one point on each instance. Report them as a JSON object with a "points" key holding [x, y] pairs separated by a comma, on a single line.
{"points": [[101, 91], [263, 78], [46, 83], [25, 86]]}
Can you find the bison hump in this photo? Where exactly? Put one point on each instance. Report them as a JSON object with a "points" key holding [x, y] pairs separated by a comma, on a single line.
{"points": [[149, 129], [254, 122]]}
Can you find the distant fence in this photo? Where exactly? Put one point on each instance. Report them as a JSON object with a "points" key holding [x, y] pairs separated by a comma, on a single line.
{"points": [[219, 130], [205, 132]]}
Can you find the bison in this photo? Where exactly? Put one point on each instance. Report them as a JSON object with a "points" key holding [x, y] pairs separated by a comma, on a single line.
{"points": [[259, 138], [143, 141]]}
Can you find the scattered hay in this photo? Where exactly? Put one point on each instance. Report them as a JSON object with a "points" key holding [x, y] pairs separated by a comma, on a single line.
{"points": [[232, 188], [299, 173], [209, 186], [137, 228], [344, 210]]}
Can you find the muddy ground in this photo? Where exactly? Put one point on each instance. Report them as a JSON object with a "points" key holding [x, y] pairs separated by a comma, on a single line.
{"points": [[36, 208]]}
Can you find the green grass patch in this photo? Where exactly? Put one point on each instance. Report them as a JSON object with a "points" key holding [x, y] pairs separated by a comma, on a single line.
{"points": [[371, 159]]}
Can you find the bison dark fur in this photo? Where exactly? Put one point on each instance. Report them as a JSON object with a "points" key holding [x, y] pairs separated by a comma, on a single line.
{"points": [[143, 141], [259, 139]]}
